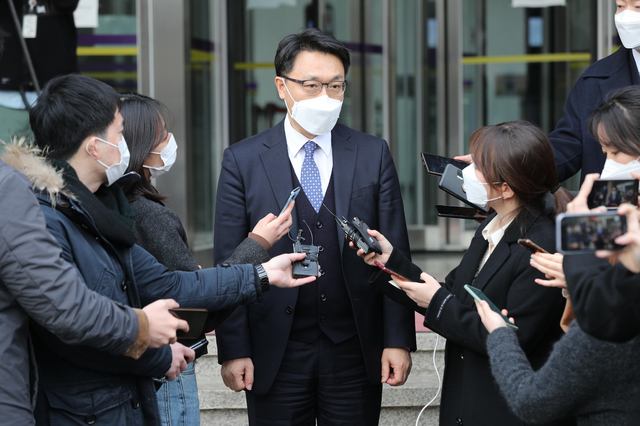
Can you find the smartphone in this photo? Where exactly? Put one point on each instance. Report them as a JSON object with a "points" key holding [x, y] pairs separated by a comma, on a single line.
{"points": [[589, 232], [195, 317], [435, 164], [452, 183], [390, 272], [531, 246], [199, 347], [477, 294], [459, 212], [292, 197], [612, 193]]}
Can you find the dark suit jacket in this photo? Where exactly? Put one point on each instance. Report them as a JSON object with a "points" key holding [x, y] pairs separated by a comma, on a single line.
{"points": [[574, 146], [256, 179], [605, 298], [469, 391]]}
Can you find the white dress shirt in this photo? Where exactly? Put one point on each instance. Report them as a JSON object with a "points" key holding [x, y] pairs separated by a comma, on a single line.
{"points": [[493, 236], [322, 155]]}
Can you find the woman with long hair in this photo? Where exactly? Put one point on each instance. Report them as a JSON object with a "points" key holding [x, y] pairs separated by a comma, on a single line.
{"points": [[513, 172], [159, 231]]}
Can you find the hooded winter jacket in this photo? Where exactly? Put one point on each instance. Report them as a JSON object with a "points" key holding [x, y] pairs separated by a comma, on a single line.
{"points": [[78, 384], [35, 282]]}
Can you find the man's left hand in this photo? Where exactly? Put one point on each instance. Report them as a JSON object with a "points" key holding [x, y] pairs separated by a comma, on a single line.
{"points": [[396, 366]]}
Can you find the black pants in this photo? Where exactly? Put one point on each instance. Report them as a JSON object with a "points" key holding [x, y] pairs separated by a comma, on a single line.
{"points": [[323, 381]]}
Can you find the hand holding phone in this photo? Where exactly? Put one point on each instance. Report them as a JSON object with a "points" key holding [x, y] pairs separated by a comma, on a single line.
{"points": [[478, 295], [612, 193], [196, 318], [292, 197], [392, 273], [435, 164], [531, 246], [491, 320], [589, 232]]}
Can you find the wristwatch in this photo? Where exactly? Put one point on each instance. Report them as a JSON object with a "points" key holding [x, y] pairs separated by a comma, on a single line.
{"points": [[264, 278]]}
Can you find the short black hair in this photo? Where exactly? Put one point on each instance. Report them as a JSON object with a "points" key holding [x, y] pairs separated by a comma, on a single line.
{"points": [[70, 109], [618, 115], [309, 40]]}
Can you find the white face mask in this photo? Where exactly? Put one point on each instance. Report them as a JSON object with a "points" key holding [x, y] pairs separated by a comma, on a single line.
{"points": [[318, 116], [476, 190], [628, 25], [613, 170], [168, 156], [115, 171]]}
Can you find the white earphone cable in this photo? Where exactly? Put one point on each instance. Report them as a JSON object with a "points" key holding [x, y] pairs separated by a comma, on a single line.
{"points": [[439, 380]]}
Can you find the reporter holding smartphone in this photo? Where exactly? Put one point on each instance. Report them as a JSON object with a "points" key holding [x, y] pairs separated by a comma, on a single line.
{"points": [[159, 231], [606, 298], [514, 174], [594, 380]]}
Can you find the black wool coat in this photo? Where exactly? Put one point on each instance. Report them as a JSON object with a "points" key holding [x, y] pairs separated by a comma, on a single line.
{"points": [[575, 148], [470, 395]]}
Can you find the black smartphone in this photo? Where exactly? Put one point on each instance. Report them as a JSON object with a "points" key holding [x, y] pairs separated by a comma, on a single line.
{"points": [[477, 294], [292, 197], [531, 246], [459, 212], [196, 318], [612, 193], [199, 347], [589, 232], [452, 183], [435, 164]]}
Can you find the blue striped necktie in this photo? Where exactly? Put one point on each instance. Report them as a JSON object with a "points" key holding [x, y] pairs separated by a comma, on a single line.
{"points": [[310, 177]]}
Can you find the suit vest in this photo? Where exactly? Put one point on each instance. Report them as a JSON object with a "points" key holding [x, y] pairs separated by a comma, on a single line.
{"points": [[323, 306]]}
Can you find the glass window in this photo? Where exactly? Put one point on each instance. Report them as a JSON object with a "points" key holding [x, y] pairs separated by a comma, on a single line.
{"points": [[520, 63], [108, 52]]}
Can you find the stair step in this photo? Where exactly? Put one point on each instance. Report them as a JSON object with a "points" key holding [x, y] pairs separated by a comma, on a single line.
{"points": [[400, 405]]}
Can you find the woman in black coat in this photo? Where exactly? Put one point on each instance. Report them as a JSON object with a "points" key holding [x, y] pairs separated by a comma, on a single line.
{"points": [[514, 173]]}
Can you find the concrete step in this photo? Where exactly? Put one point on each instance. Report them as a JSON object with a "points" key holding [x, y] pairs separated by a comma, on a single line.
{"points": [[400, 405]]}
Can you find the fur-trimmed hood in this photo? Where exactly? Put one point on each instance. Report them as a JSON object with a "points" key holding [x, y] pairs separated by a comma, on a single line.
{"points": [[27, 158]]}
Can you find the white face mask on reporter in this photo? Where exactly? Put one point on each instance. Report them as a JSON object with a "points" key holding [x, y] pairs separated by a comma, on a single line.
{"points": [[613, 170], [628, 26], [115, 171], [318, 116], [476, 191], [168, 154]]}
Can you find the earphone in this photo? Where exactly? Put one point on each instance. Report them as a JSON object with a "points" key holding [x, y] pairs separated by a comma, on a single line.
{"points": [[439, 380]]}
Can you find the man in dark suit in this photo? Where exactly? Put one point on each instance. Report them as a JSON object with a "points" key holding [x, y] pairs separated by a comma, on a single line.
{"points": [[574, 146], [325, 350]]}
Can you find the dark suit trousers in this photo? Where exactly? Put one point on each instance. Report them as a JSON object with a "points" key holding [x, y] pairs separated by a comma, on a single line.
{"points": [[319, 380]]}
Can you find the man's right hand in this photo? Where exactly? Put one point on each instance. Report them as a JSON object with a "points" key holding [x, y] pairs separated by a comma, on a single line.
{"points": [[280, 271], [237, 374], [162, 323], [181, 356]]}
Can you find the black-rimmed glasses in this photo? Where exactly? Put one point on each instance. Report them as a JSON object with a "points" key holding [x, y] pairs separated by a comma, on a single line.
{"points": [[313, 87]]}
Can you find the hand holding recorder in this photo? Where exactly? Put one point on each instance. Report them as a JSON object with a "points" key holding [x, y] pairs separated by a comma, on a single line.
{"points": [[372, 257]]}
